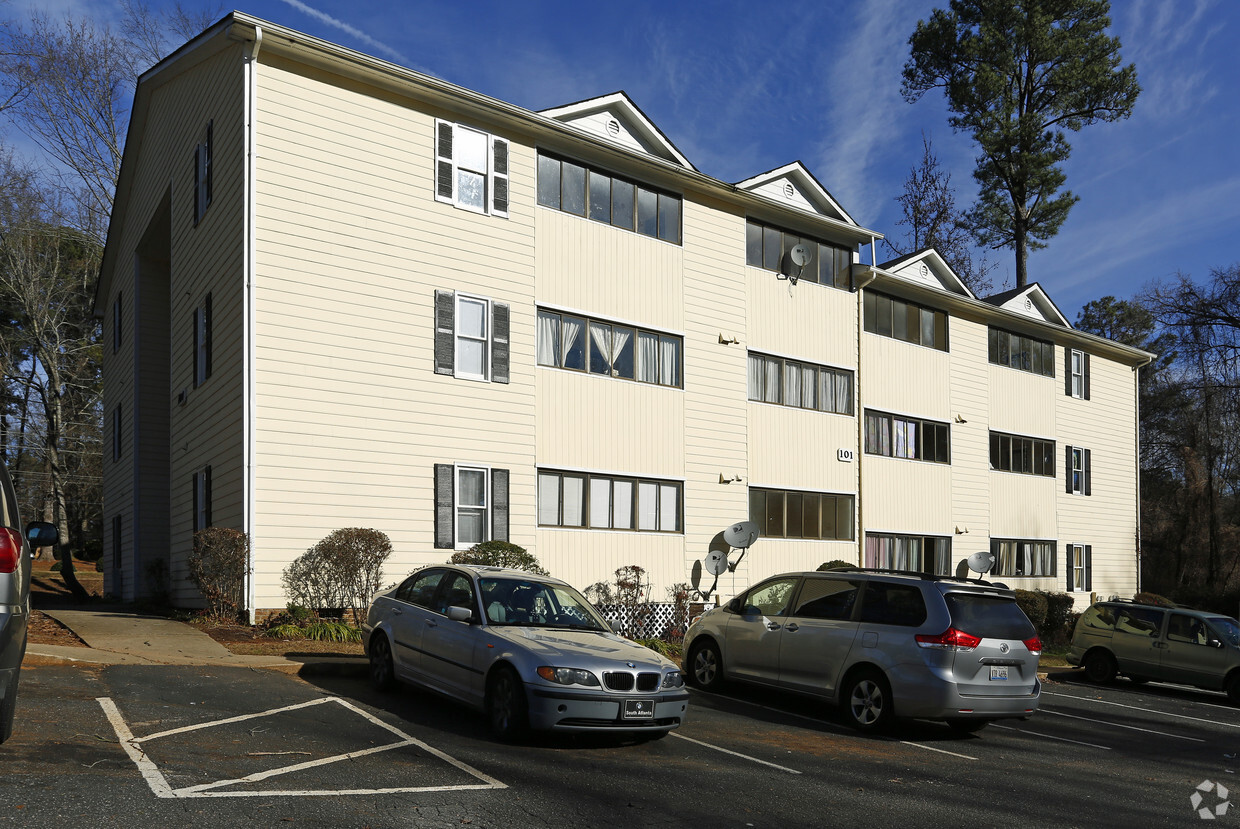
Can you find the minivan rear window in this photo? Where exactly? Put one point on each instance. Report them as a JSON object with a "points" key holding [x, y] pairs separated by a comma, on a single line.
{"points": [[990, 617]]}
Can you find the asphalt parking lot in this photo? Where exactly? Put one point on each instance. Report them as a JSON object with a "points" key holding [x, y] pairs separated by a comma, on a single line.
{"points": [[126, 745]]}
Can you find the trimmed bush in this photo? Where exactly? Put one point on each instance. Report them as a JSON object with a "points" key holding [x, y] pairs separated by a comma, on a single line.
{"points": [[500, 554], [1034, 605], [835, 564], [1059, 613], [219, 565], [342, 571]]}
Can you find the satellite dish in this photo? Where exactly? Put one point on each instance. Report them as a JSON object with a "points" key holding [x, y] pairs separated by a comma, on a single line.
{"points": [[800, 255], [742, 535], [981, 562], [715, 562]]}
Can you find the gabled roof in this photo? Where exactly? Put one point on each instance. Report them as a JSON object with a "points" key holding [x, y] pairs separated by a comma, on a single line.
{"points": [[616, 118], [794, 185], [1030, 301], [929, 268]]}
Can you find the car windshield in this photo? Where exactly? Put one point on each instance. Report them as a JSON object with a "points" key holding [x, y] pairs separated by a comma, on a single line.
{"points": [[1227, 627], [990, 617], [509, 601]]}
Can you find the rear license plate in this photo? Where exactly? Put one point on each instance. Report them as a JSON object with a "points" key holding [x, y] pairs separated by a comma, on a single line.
{"points": [[999, 672], [638, 709]]}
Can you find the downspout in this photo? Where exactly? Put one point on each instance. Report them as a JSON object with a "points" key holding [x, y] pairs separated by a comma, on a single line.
{"points": [[249, 416], [860, 280]]}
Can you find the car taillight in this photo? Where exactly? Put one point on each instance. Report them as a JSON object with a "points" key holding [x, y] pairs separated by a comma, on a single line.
{"points": [[10, 549], [1034, 644], [950, 639]]}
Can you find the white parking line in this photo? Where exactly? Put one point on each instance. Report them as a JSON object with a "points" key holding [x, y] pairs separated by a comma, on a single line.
{"points": [[1139, 708], [939, 750], [734, 753], [159, 784], [1122, 725], [1048, 736]]}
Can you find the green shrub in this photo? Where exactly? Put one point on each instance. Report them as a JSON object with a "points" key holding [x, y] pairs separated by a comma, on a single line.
{"points": [[835, 564], [1058, 616], [55, 568], [342, 571], [500, 554], [1034, 605], [218, 565]]}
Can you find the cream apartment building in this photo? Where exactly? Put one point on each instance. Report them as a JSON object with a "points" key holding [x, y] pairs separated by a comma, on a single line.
{"points": [[341, 293]]}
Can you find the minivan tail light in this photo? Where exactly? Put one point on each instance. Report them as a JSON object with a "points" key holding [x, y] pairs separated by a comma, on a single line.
{"points": [[1034, 644], [950, 639], [10, 549]]}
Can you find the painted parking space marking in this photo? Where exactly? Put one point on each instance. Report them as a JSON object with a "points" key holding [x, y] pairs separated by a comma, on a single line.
{"points": [[1048, 736], [734, 753], [158, 782], [1122, 725], [1146, 710]]}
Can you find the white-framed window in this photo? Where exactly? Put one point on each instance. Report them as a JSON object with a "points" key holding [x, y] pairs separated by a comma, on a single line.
{"points": [[609, 502], [1080, 566], [608, 349], [1019, 557], [202, 498], [471, 505], [471, 169], [471, 337], [202, 341], [1077, 372], [1080, 475]]}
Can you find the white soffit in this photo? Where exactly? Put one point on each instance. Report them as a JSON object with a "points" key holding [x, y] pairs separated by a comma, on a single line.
{"points": [[794, 186], [617, 119], [926, 267]]}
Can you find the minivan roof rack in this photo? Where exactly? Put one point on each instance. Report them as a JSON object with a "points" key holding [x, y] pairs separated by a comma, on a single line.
{"points": [[916, 574]]}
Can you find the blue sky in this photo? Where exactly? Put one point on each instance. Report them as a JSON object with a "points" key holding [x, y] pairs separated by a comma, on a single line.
{"points": [[741, 88]]}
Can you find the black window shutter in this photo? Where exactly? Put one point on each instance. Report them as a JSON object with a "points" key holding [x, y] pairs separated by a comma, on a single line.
{"points": [[499, 504], [1067, 370], [1067, 465], [193, 503], [1071, 570], [206, 333], [206, 500], [443, 161], [499, 342], [1089, 567], [1086, 376], [1088, 462], [193, 321], [445, 341], [210, 163], [499, 176], [445, 506]]}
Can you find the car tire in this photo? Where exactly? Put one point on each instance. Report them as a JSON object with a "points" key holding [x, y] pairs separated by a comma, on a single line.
{"points": [[8, 707], [967, 726], [1099, 666], [867, 702], [705, 666], [507, 710], [382, 671]]}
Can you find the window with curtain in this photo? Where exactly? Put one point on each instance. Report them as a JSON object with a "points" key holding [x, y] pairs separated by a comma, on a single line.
{"points": [[916, 553], [798, 384], [1017, 557], [781, 513], [607, 349], [609, 502], [903, 437]]}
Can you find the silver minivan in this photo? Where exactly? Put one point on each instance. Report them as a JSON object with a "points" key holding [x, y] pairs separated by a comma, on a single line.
{"points": [[14, 594], [878, 644], [1145, 642]]}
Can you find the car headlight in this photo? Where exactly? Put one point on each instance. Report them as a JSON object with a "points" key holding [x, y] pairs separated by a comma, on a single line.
{"points": [[674, 679], [568, 676]]}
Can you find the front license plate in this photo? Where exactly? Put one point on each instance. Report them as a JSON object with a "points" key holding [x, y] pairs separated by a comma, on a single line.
{"points": [[638, 709], [998, 672]]}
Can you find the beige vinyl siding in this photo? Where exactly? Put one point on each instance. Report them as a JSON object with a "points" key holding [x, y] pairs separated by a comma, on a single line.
{"points": [[1106, 425], [351, 247], [799, 449], [969, 401], [906, 379], [806, 321], [1023, 506], [907, 497], [1022, 403]]}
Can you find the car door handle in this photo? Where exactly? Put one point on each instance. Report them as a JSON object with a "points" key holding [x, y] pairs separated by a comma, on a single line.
{"points": [[773, 626], [430, 623], [792, 626], [396, 611]]}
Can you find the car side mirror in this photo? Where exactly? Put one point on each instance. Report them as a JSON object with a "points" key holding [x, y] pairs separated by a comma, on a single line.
{"points": [[42, 534], [460, 614], [735, 606], [1214, 643]]}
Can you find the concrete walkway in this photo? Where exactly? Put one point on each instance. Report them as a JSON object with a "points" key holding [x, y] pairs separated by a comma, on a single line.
{"points": [[115, 637]]}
